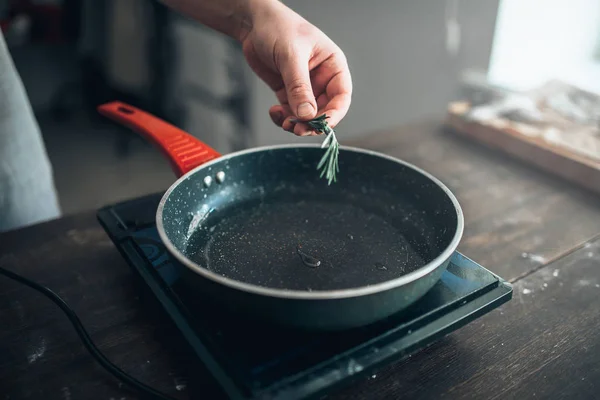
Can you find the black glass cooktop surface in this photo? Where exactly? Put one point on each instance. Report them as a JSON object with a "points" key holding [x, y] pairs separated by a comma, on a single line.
{"points": [[252, 360]]}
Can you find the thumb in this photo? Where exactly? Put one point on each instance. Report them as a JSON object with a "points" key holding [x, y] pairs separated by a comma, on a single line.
{"points": [[296, 78]]}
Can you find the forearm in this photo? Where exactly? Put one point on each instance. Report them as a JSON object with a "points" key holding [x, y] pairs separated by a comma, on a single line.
{"points": [[231, 17]]}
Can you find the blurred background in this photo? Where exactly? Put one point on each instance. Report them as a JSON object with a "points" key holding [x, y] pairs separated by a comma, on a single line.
{"points": [[409, 60]]}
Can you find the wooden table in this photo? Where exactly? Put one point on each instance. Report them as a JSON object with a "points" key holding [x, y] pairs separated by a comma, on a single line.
{"points": [[540, 233]]}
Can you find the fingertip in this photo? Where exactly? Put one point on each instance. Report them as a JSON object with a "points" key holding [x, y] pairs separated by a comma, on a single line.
{"points": [[276, 117], [288, 125], [301, 131], [306, 111], [276, 108], [297, 128], [334, 117]]}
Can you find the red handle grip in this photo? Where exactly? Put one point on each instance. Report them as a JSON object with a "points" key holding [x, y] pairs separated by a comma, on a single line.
{"points": [[183, 150]]}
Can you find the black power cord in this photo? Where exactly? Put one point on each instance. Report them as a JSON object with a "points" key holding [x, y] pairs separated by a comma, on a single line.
{"points": [[87, 341]]}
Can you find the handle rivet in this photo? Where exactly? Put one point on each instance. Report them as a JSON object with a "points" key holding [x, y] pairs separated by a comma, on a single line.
{"points": [[220, 176], [207, 181]]}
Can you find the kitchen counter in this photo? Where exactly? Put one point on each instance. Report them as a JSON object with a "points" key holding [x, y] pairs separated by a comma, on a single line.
{"points": [[540, 233]]}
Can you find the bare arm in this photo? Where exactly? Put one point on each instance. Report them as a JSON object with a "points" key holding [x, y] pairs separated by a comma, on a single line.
{"points": [[305, 69], [231, 17]]}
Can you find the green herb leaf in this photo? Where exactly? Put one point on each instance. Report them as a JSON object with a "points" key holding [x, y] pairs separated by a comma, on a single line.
{"points": [[329, 161]]}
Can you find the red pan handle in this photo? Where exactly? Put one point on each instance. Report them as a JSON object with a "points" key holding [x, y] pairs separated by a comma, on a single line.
{"points": [[183, 150]]}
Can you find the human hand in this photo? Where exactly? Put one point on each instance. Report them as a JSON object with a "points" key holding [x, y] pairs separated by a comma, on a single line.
{"points": [[307, 71]]}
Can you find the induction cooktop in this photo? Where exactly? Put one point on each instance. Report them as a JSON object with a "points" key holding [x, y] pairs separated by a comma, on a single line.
{"points": [[251, 360]]}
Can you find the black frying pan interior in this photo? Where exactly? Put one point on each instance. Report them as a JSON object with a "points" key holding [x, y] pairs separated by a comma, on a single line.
{"points": [[272, 222]]}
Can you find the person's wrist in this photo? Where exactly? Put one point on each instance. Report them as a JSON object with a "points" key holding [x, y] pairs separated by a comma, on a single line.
{"points": [[234, 18], [251, 12]]}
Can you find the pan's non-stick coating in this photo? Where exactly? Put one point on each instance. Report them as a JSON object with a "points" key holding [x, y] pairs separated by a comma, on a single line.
{"points": [[267, 219]]}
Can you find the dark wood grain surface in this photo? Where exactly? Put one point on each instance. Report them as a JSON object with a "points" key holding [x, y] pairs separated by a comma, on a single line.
{"points": [[40, 354], [530, 228], [516, 217], [543, 344]]}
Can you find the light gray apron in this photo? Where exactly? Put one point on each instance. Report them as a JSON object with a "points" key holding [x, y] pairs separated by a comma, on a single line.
{"points": [[27, 192]]}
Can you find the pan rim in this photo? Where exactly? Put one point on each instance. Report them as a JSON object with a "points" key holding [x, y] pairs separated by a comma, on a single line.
{"points": [[312, 295]]}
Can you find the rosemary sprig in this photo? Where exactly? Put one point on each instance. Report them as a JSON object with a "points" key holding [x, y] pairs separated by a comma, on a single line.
{"points": [[329, 161]]}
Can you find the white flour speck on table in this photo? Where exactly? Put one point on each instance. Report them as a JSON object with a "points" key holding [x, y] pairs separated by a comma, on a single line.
{"points": [[180, 384], [38, 352], [66, 393]]}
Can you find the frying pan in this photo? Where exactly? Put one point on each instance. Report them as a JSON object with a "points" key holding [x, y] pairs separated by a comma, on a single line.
{"points": [[259, 232]]}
